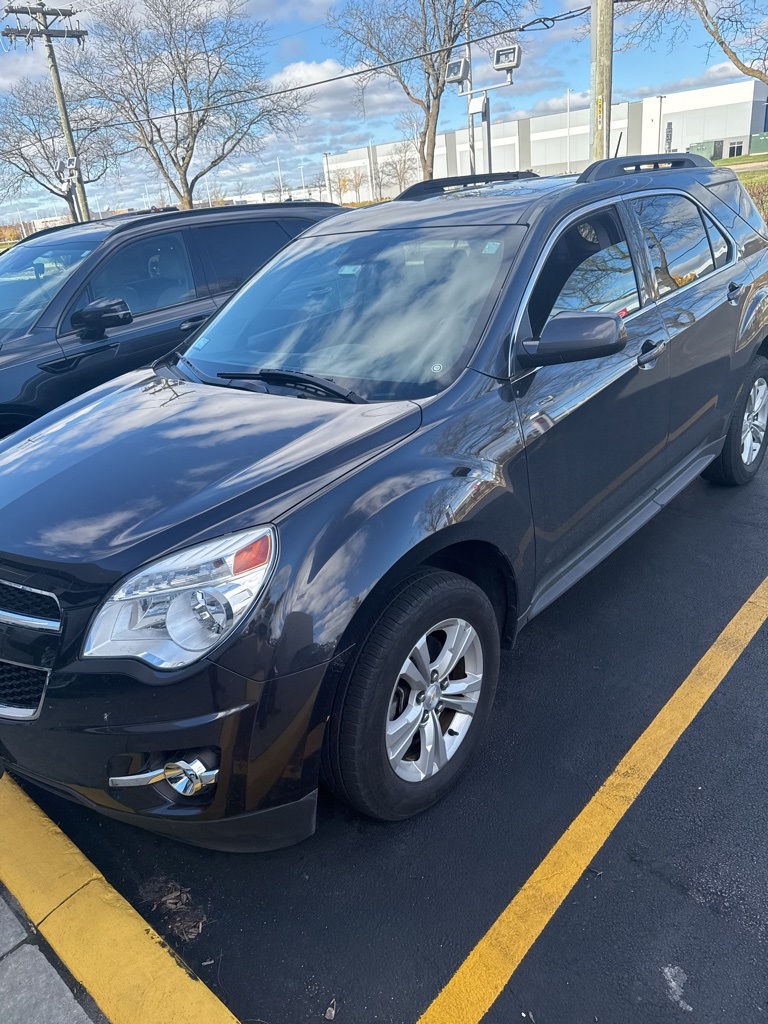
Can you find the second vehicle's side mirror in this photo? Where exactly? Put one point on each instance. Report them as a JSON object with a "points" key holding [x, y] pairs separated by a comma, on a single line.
{"points": [[97, 317], [571, 337]]}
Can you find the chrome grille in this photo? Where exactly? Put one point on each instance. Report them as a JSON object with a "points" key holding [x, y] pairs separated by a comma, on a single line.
{"points": [[21, 690], [25, 606]]}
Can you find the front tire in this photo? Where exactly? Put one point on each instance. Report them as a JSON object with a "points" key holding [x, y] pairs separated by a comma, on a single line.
{"points": [[414, 704], [745, 442]]}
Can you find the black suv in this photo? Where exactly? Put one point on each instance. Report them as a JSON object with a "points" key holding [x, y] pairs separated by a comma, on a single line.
{"points": [[83, 303], [295, 550]]}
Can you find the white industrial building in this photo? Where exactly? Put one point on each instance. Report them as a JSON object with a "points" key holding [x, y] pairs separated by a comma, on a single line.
{"points": [[718, 121]]}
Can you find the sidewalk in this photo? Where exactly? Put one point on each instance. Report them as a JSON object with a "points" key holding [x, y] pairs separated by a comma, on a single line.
{"points": [[32, 989]]}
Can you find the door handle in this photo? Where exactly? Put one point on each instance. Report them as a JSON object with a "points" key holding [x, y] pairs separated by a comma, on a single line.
{"points": [[650, 352], [734, 291], [194, 321]]}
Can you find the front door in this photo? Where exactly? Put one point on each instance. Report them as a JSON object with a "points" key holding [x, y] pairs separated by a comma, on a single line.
{"points": [[595, 431], [153, 275]]}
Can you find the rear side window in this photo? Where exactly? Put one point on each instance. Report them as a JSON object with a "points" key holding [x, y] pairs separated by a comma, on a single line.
{"points": [[589, 269], [237, 250], [676, 239], [721, 248], [736, 197], [295, 225]]}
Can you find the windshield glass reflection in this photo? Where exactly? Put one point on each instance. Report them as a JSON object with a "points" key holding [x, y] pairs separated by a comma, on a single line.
{"points": [[393, 314]]}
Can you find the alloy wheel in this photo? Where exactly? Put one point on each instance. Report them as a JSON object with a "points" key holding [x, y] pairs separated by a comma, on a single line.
{"points": [[434, 699], [755, 421]]}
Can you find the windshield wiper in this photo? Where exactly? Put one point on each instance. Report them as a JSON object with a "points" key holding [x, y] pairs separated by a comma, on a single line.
{"points": [[306, 380]]}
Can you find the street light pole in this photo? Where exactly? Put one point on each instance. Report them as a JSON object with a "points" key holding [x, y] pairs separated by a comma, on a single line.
{"points": [[470, 115], [661, 104], [568, 132]]}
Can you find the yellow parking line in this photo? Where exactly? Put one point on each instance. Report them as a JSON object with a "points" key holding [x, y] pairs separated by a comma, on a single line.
{"points": [[106, 945], [482, 977]]}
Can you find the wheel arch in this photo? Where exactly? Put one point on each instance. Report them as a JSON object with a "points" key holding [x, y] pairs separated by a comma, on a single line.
{"points": [[476, 559]]}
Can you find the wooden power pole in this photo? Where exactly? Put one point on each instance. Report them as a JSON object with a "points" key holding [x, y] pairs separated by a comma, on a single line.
{"points": [[601, 78], [39, 15]]}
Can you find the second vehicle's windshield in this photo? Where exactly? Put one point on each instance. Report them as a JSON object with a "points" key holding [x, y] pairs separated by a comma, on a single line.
{"points": [[392, 314], [31, 274]]}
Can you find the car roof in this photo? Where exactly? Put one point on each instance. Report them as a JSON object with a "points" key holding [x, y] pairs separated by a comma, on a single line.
{"points": [[523, 198], [99, 230]]}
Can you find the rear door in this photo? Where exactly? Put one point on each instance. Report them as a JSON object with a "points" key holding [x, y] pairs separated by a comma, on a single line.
{"points": [[702, 285], [155, 275], [232, 250], [595, 431]]}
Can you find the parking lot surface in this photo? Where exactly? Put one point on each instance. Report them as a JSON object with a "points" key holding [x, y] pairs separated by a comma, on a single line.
{"points": [[367, 922]]}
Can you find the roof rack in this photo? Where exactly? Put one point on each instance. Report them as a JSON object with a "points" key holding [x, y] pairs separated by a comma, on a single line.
{"points": [[600, 170], [145, 216], [436, 186]]}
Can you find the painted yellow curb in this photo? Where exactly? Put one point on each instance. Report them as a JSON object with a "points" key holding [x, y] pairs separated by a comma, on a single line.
{"points": [[122, 963]]}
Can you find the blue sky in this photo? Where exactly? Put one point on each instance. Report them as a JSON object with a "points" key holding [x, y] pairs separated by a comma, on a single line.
{"points": [[303, 51]]}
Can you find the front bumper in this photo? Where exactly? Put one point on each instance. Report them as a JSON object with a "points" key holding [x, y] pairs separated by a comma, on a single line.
{"points": [[265, 736]]}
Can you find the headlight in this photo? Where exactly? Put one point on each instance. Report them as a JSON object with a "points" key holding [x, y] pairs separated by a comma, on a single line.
{"points": [[174, 611]]}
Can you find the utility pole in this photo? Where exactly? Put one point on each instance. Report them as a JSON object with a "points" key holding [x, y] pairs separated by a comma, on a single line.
{"points": [[601, 78], [39, 14]]}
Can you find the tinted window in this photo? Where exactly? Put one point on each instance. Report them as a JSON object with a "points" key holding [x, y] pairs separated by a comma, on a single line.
{"points": [[294, 225], [31, 274], [739, 200], [237, 250], [721, 249], [391, 314], [148, 273], [676, 239], [589, 269]]}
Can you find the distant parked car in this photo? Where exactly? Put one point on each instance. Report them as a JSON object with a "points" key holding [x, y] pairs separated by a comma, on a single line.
{"points": [[84, 303]]}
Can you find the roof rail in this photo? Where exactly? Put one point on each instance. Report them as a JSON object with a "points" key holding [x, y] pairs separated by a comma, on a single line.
{"points": [[600, 170], [425, 189], [150, 216]]}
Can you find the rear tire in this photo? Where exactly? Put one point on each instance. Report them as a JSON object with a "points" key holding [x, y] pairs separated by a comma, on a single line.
{"points": [[747, 437], [409, 713]]}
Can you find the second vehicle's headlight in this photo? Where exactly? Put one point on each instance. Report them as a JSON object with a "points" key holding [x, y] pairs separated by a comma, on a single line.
{"points": [[174, 611]]}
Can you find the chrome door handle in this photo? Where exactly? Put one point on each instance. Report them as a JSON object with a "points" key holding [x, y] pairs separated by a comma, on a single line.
{"points": [[734, 291], [650, 353], [194, 321]]}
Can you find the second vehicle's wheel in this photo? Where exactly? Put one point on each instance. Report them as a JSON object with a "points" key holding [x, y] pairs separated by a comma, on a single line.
{"points": [[745, 442], [416, 699]]}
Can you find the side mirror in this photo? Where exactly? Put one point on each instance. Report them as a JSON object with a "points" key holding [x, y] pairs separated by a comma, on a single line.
{"points": [[97, 317], [573, 337]]}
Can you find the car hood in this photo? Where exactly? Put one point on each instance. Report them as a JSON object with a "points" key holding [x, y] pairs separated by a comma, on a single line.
{"points": [[147, 464]]}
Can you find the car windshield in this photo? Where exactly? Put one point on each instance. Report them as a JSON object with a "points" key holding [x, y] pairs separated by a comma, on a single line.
{"points": [[31, 274], [392, 314]]}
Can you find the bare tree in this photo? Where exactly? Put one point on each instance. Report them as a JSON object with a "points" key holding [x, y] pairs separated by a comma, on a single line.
{"points": [[738, 27], [357, 178], [400, 166], [318, 182], [279, 186], [380, 177], [370, 34], [32, 144], [183, 81], [339, 183]]}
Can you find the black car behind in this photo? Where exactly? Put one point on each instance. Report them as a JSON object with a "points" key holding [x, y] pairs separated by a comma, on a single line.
{"points": [[87, 302]]}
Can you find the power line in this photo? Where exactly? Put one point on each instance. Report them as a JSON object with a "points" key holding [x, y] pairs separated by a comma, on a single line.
{"points": [[541, 23]]}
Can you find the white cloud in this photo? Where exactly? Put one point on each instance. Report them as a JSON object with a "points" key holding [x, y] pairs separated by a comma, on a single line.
{"points": [[716, 74]]}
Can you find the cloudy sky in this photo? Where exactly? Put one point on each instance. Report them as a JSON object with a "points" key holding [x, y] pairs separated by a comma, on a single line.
{"points": [[303, 51]]}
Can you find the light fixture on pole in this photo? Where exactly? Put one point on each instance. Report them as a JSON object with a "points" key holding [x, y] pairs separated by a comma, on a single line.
{"points": [[459, 71]]}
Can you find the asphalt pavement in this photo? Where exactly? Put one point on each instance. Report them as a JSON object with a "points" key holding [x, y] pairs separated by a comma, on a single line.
{"points": [[366, 922]]}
